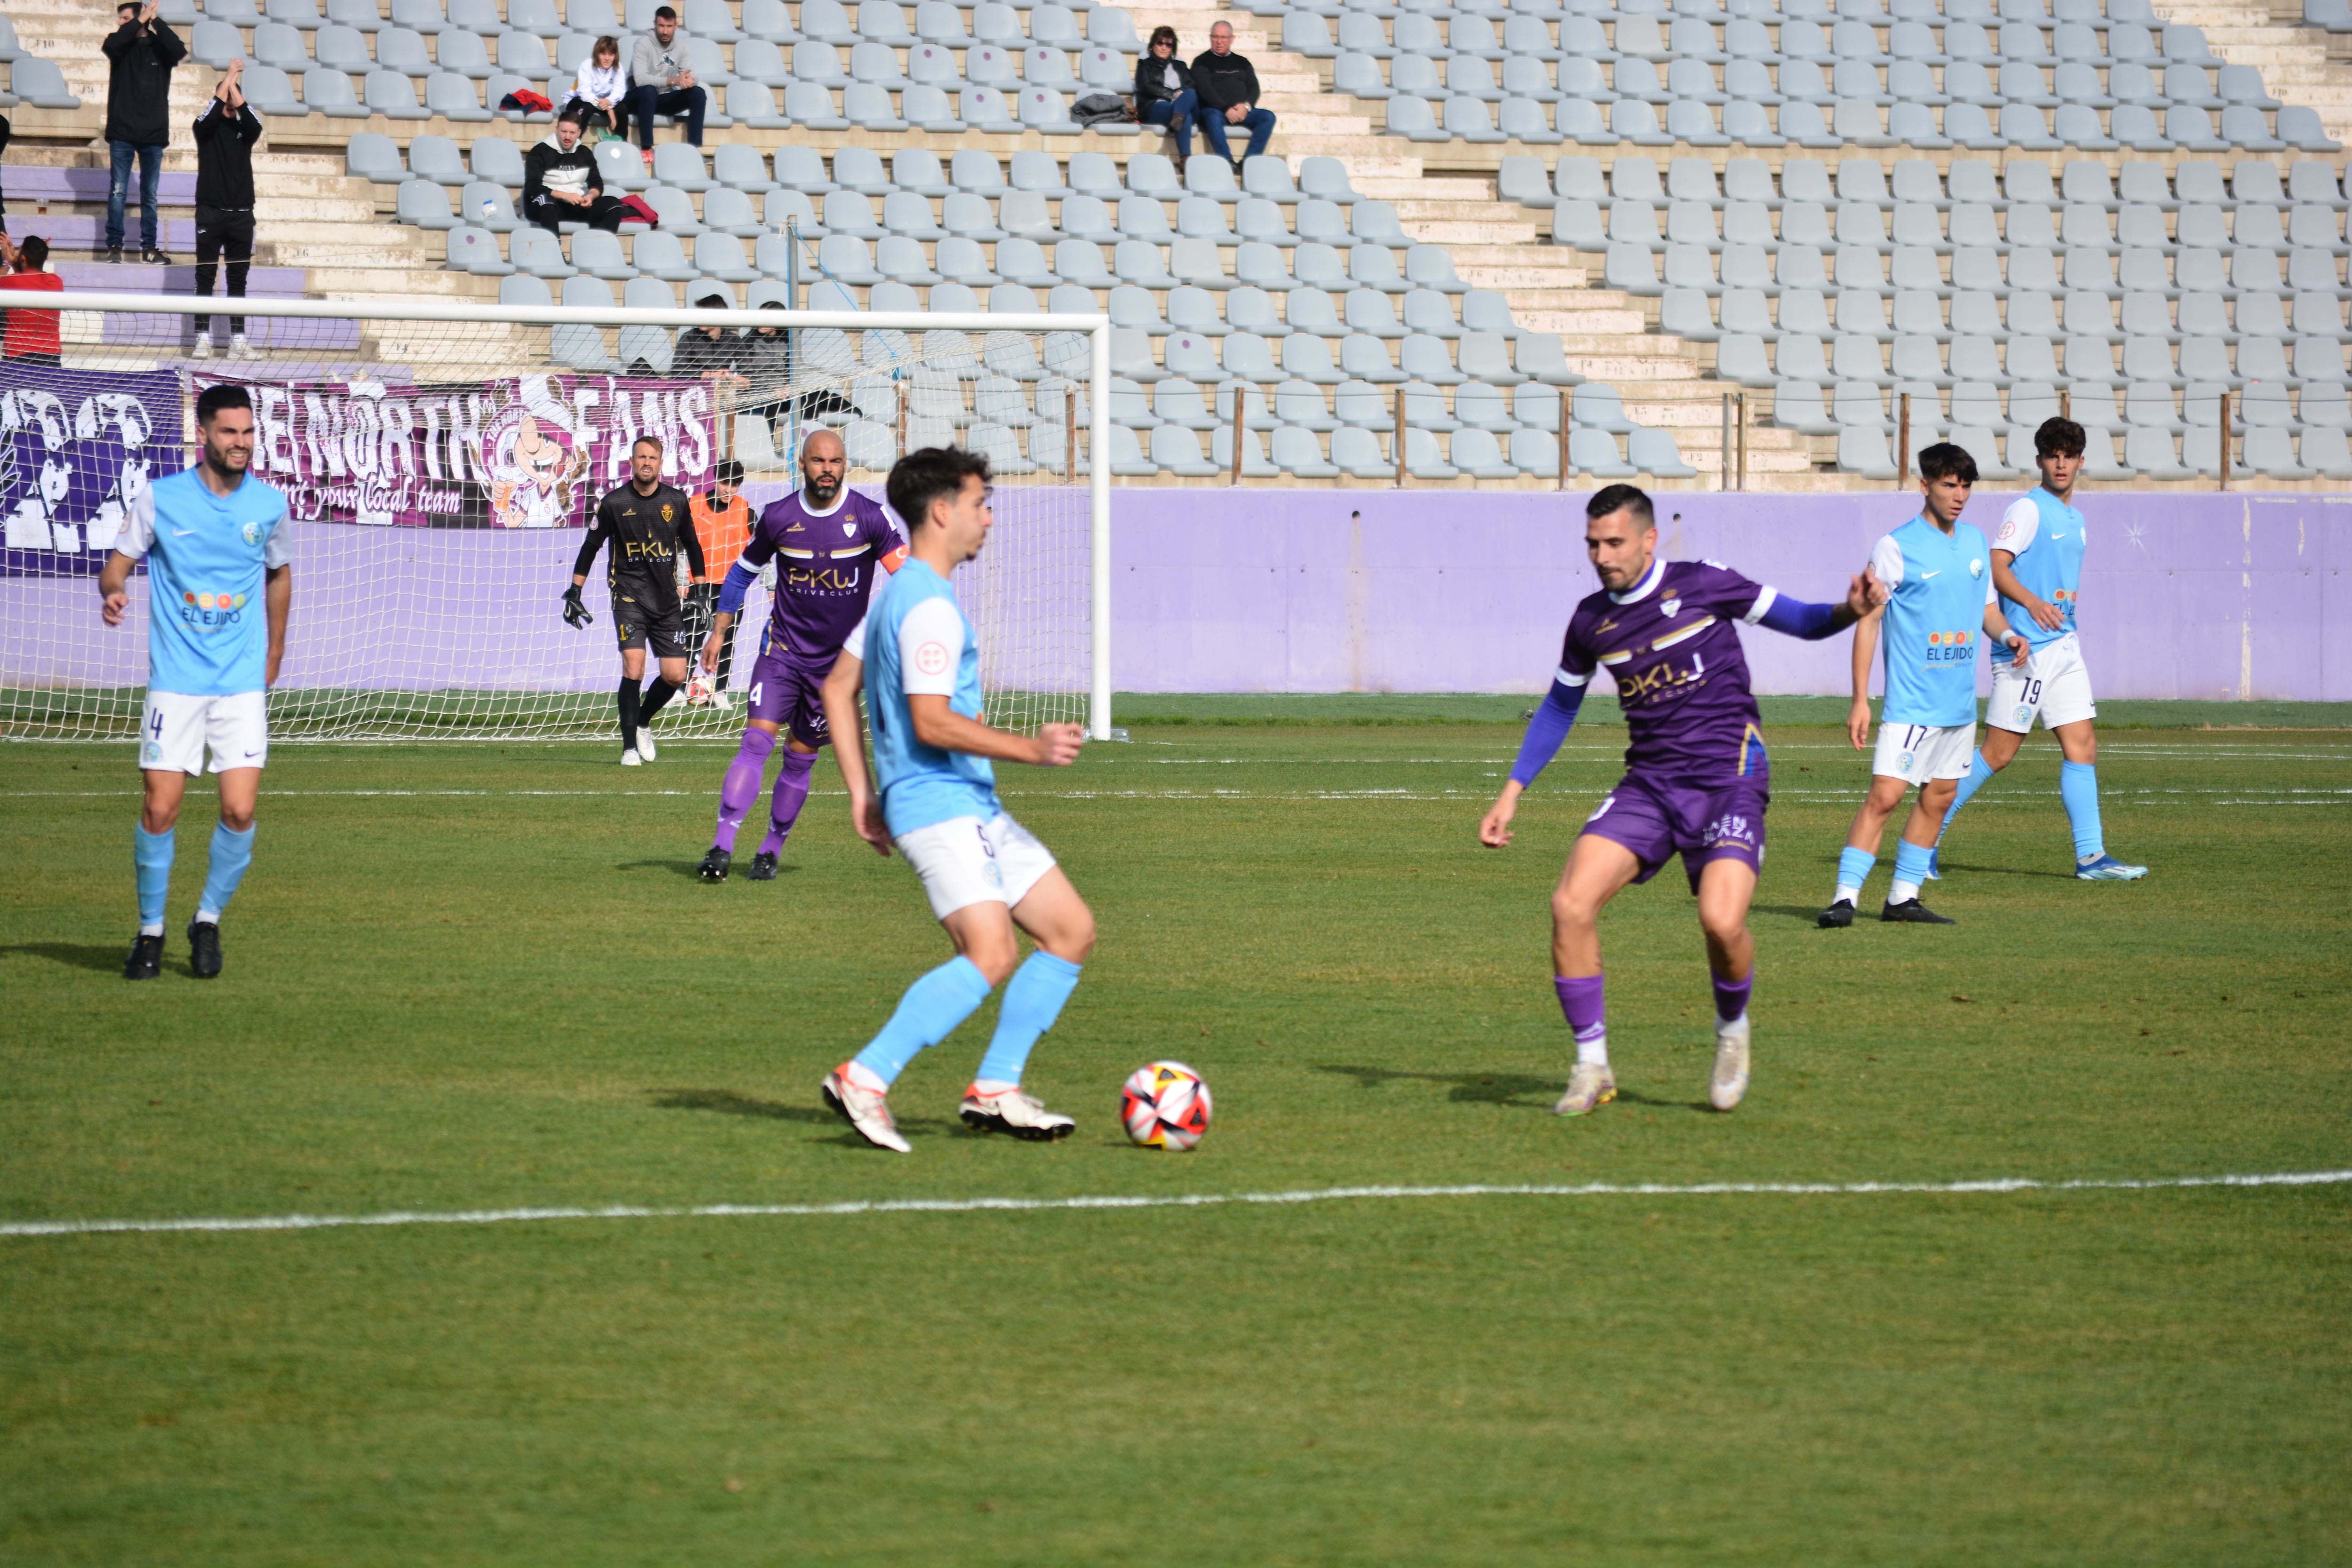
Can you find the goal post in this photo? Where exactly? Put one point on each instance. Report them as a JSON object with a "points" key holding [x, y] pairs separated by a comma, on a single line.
{"points": [[442, 458]]}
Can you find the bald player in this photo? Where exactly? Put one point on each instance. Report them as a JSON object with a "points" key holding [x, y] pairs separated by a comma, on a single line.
{"points": [[828, 543]]}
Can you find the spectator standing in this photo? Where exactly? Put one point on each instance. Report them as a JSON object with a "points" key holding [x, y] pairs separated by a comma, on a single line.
{"points": [[661, 82], [1164, 94], [1227, 85], [32, 335], [5, 130], [602, 88], [226, 133], [560, 183], [141, 53]]}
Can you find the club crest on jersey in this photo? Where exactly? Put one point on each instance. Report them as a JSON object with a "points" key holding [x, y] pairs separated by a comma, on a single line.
{"points": [[1976, 568], [251, 532], [667, 510], [849, 529], [1670, 608]]}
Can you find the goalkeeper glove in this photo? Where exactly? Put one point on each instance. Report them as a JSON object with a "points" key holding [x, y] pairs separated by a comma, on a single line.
{"points": [[576, 614]]}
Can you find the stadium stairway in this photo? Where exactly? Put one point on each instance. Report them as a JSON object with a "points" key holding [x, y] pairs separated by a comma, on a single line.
{"points": [[346, 237]]}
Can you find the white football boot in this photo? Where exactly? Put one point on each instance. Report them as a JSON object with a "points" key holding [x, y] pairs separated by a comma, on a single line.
{"points": [[864, 1109], [629, 759], [1590, 1087], [1730, 1079], [646, 747], [1023, 1115]]}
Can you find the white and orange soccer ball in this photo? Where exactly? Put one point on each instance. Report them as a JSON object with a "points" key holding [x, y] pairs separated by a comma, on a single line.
{"points": [[698, 691], [1165, 1106]]}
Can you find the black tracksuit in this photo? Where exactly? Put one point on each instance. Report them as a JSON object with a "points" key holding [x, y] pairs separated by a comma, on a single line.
{"points": [[224, 141]]}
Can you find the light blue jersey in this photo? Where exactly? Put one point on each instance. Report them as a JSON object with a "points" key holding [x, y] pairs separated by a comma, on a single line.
{"points": [[918, 641], [2045, 534], [1938, 587], [208, 629]]}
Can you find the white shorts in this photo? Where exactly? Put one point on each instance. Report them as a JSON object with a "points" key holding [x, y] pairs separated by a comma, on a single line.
{"points": [[177, 728], [1917, 753], [964, 862], [2054, 684]]}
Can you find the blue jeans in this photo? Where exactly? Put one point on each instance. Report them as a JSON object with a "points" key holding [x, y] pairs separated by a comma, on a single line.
{"points": [[1176, 113], [1258, 122], [118, 191], [685, 103]]}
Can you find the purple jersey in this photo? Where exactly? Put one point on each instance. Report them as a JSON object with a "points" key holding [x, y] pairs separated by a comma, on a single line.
{"points": [[826, 564], [1680, 676]]}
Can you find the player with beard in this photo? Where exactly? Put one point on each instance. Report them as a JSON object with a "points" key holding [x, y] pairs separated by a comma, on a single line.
{"points": [[1697, 777], [826, 540]]}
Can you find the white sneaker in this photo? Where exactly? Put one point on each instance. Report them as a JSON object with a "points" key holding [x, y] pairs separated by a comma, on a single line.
{"points": [[629, 759], [646, 747], [864, 1109], [1023, 1115], [1730, 1080], [204, 348], [720, 702], [1590, 1087], [241, 347]]}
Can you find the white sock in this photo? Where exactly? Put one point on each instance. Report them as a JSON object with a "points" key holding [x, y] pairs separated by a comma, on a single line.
{"points": [[1592, 1053], [1902, 892], [1845, 894], [209, 917], [156, 930], [1737, 1026]]}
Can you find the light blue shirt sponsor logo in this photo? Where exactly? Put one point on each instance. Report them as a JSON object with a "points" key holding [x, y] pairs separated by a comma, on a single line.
{"points": [[922, 784]]}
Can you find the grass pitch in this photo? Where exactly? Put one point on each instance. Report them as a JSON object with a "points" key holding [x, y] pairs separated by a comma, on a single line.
{"points": [[466, 977]]}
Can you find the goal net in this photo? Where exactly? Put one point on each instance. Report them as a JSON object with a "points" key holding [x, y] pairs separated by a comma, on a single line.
{"points": [[442, 461]]}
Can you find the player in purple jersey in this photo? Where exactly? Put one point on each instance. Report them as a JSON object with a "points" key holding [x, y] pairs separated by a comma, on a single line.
{"points": [[1697, 778], [827, 541]]}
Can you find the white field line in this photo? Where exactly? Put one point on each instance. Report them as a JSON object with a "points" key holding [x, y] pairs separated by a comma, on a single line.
{"points": [[1994, 1185]]}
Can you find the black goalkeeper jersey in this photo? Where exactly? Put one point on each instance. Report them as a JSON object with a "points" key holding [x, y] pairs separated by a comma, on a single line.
{"points": [[647, 533]]}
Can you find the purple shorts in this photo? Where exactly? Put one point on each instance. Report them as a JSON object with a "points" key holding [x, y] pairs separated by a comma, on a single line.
{"points": [[788, 691], [1655, 819]]}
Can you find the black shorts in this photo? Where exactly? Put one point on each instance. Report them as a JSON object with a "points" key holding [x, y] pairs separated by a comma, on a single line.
{"points": [[639, 619]]}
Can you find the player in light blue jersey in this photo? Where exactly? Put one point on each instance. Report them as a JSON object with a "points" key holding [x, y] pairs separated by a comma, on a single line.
{"points": [[1940, 599], [917, 660], [219, 578], [2037, 565]]}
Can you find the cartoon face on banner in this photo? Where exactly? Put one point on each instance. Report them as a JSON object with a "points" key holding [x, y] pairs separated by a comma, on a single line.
{"points": [[74, 460], [534, 469]]}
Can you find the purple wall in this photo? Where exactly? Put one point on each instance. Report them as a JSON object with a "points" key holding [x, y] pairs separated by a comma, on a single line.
{"points": [[1266, 590], [2207, 597]]}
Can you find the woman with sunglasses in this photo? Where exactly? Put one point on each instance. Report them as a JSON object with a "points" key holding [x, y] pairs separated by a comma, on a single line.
{"points": [[1163, 92]]}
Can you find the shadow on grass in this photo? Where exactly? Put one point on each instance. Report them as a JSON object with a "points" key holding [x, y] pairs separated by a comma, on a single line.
{"points": [[75, 954], [726, 1102], [690, 869], [1808, 914], [1467, 1087], [2008, 871], [1500, 1087]]}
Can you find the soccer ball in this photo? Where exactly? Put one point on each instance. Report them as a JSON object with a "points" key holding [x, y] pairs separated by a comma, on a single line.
{"points": [[1165, 1106], [698, 690]]}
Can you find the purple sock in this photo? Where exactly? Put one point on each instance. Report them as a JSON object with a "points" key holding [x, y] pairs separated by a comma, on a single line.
{"points": [[741, 786], [1580, 999], [1731, 996], [791, 793]]}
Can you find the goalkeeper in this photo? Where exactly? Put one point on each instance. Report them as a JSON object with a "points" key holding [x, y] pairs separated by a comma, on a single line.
{"points": [[648, 522], [827, 541]]}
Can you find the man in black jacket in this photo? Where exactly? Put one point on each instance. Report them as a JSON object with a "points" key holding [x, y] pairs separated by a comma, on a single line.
{"points": [[141, 53], [1228, 89], [560, 183], [226, 133]]}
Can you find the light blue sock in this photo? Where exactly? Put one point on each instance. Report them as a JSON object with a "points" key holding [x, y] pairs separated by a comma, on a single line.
{"points": [[1979, 771], [1910, 870], [232, 853], [1032, 1000], [150, 852], [1854, 870], [928, 1013], [2078, 786]]}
